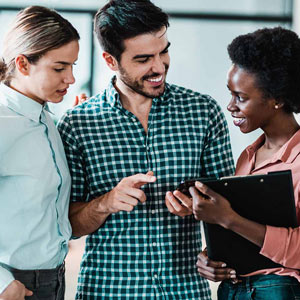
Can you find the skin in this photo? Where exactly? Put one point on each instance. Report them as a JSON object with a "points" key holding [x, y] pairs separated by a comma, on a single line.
{"points": [[141, 72], [179, 204], [214, 270], [140, 77], [80, 99], [15, 291], [49, 78], [143, 68], [250, 111], [45, 81]]}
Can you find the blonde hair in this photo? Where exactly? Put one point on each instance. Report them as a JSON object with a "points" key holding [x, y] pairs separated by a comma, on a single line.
{"points": [[35, 31]]}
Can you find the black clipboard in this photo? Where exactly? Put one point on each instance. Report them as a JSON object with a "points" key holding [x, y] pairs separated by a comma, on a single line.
{"points": [[266, 199]]}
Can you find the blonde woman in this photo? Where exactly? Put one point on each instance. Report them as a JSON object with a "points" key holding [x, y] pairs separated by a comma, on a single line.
{"points": [[36, 67]]}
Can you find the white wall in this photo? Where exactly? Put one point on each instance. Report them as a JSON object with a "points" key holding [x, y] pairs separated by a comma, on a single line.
{"points": [[296, 16]]}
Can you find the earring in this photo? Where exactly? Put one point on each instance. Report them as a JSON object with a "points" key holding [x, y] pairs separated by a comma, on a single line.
{"points": [[276, 106]]}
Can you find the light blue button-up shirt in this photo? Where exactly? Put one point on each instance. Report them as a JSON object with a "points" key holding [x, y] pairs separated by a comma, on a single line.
{"points": [[34, 187]]}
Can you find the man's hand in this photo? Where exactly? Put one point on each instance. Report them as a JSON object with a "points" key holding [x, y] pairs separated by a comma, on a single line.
{"points": [[179, 204], [126, 195], [86, 217], [214, 270], [15, 291]]}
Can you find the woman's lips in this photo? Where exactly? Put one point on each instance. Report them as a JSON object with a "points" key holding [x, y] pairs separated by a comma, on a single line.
{"points": [[62, 92]]}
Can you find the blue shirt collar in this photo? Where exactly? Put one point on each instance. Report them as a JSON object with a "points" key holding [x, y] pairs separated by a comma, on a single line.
{"points": [[21, 104]]}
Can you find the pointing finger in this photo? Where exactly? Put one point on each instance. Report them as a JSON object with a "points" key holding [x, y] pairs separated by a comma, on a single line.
{"points": [[139, 180]]}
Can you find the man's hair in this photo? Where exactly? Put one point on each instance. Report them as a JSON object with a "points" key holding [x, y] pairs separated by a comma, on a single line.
{"points": [[123, 19], [272, 55]]}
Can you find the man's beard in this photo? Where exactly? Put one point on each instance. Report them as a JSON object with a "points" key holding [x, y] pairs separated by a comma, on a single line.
{"points": [[139, 87]]}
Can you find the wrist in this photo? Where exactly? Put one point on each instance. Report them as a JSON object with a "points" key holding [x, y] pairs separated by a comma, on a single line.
{"points": [[100, 206], [230, 221]]}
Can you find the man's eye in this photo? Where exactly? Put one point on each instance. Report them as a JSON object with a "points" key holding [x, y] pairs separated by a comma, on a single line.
{"points": [[58, 70], [143, 60]]}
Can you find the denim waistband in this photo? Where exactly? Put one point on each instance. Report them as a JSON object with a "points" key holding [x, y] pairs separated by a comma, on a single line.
{"points": [[41, 274], [265, 280]]}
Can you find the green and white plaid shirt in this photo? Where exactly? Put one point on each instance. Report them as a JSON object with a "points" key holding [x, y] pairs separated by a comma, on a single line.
{"points": [[148, 253]]}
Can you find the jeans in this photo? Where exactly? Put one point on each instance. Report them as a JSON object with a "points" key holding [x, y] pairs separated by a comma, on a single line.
{"points": [[45, 284], [261, 287]]}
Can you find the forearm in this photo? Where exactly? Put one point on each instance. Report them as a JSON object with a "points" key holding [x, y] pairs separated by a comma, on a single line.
{"points": [[87, 217], [252, 231], [216, 209]]}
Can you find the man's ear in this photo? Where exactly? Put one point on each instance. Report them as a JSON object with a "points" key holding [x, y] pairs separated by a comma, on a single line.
{"points": [[22, 64], [110, 61]]}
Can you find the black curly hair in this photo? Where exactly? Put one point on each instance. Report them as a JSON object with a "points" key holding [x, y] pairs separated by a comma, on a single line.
{"points": [[272, 55]]}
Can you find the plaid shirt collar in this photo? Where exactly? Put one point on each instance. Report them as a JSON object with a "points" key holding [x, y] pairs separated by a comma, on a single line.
{"points": [[113, 97]]}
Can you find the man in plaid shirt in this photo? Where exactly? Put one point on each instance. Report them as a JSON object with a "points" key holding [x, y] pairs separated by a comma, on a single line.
{"points": [[128, 148]]}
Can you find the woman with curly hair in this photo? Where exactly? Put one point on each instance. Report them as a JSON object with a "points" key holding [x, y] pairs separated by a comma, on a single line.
{"points": [[264, 81]]}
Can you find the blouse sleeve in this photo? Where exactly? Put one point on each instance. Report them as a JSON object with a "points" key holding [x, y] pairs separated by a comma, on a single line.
{"points": [[282, 245]]}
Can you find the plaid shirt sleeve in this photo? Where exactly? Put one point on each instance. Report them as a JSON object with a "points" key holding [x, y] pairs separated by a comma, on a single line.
{"points": [[217, 160], [79, 189]]}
